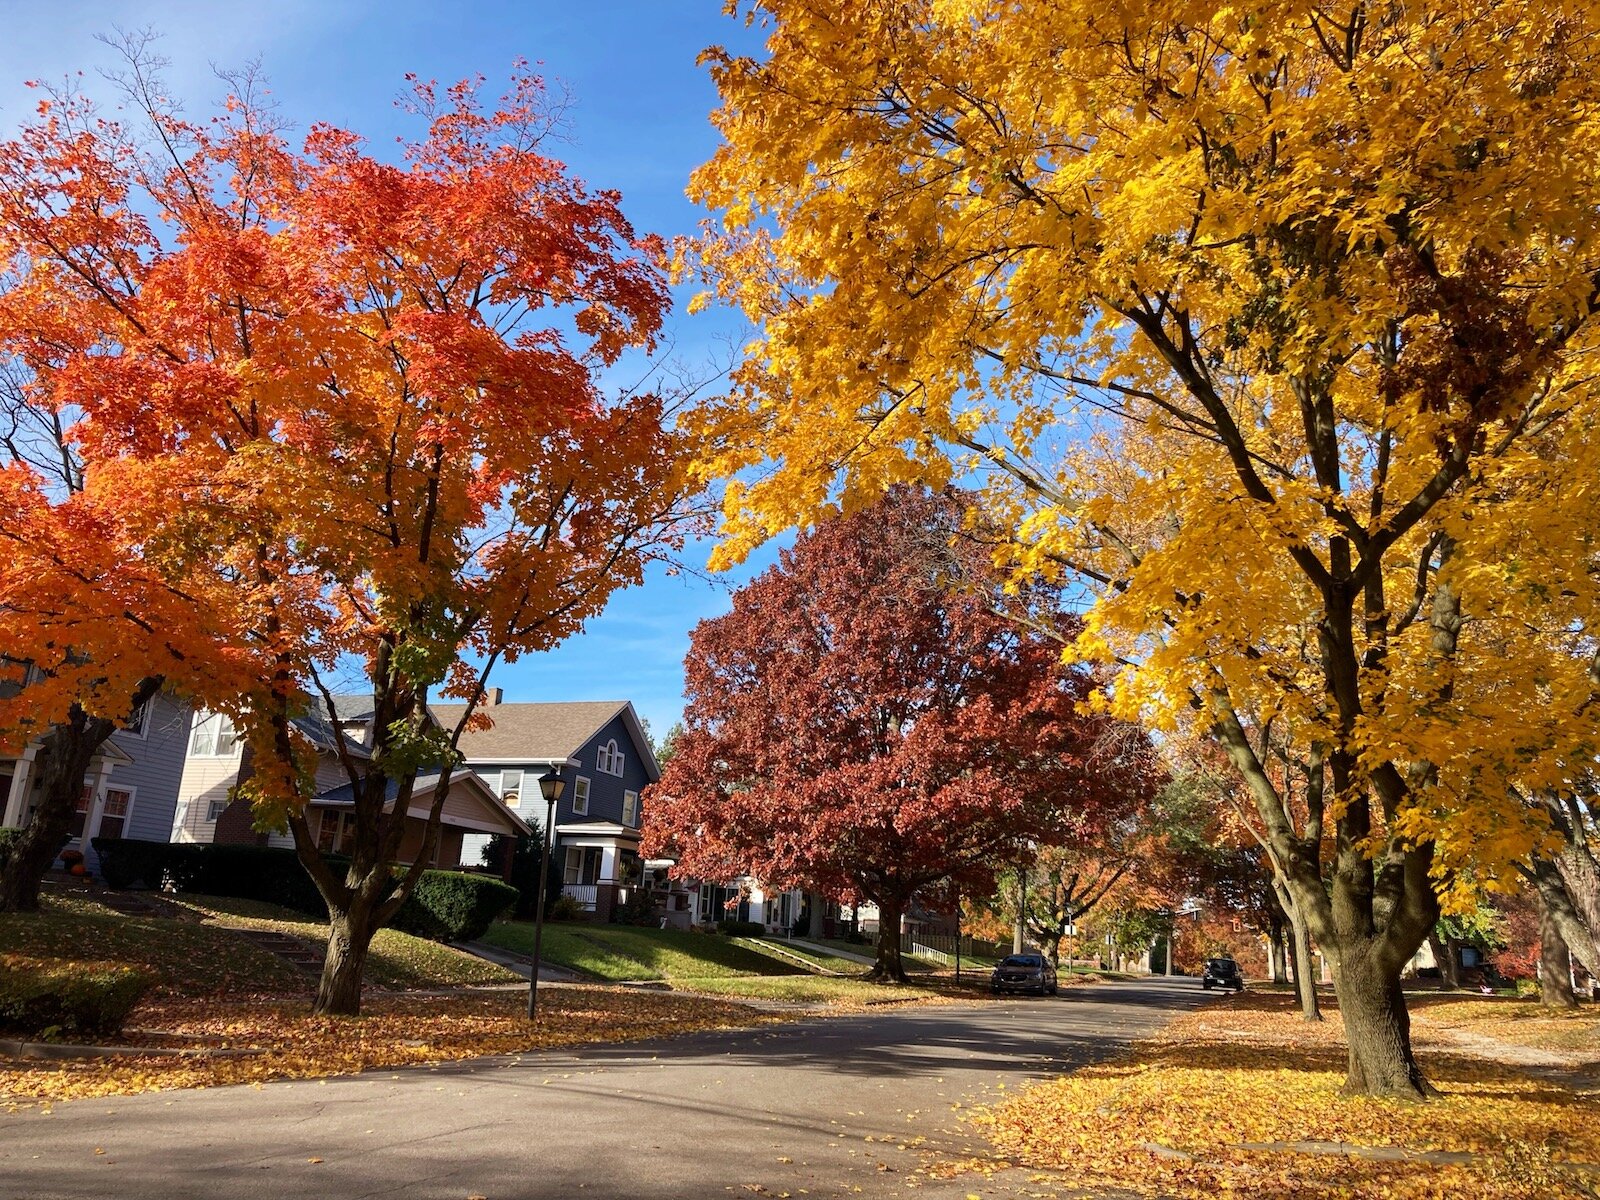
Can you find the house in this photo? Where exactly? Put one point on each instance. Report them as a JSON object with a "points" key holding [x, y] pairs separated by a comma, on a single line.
{"points": [[208, 810], [601, 752], [132, 786]]}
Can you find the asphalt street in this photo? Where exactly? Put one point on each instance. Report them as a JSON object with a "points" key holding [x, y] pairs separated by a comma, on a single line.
{"points": [[818, 1107]]}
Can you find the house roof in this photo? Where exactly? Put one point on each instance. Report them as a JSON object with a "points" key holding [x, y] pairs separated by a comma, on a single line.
{"points": [[351, 706], [425, 783], [544, 733]]}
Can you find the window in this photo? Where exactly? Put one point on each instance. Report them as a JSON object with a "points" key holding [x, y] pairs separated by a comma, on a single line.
{"points": [[114, 812], [572, 871], [327, 827], [218, 806], [214, 737], [609, 759], [138, 722], [511, 787], [580, 796], [336, 831], [630, 808]]}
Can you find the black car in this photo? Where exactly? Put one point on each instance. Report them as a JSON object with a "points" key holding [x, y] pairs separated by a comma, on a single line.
{"points": [[1024, 973], [1222, 972]]}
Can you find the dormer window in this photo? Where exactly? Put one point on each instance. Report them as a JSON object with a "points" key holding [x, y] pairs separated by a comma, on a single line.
{"points": [[609, 760]]}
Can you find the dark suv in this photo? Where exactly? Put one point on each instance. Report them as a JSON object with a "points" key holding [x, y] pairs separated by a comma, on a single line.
{"points": [[1222, 972], [1024, 973]]}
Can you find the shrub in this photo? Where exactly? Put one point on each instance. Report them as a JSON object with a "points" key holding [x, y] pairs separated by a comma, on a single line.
{"points": [[39, 997], [450, 906], [127, 861], [565, 908], [525, 860], [742, 928], [638, 909]]}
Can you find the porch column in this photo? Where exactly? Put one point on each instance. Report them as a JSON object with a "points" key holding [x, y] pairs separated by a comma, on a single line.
{"points": [[97, 796], [16, 801]]}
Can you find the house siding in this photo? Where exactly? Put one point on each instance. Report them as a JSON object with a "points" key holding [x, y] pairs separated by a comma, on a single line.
{"points": [[330, 774], [605, 791], [204, 779], [156, 773]]}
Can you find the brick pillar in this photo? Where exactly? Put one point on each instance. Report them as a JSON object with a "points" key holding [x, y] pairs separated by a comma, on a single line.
{"points": [[605, 902]]}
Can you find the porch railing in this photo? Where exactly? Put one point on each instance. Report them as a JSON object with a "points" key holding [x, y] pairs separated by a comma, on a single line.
{"points": [[586, 894]]}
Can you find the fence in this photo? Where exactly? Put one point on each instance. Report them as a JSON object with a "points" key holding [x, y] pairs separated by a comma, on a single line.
{"points": [[944, 944]]}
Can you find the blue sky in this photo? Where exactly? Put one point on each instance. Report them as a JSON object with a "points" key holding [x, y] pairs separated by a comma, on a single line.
{"points": [[639, 123]]}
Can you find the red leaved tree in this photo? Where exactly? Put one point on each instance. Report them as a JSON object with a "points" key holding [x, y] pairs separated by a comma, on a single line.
{"points": [[864, 723]]}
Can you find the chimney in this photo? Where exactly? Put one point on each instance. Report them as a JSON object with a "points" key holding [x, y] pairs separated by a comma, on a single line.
{"points": [[493, 695]]}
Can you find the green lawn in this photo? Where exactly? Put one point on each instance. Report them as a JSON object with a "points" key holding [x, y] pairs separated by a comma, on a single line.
{"points": [[568, 946], [821, 961], [623, 952], [396, 959], [184, 960], [911, 961]]}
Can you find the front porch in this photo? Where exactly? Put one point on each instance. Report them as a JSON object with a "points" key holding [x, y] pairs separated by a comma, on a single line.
{"points": [[102, 809], [599, 864]]}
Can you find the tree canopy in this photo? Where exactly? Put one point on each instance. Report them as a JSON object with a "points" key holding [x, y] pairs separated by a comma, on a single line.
{"points": [[349, 405], [861, 726], [1270, 326]]}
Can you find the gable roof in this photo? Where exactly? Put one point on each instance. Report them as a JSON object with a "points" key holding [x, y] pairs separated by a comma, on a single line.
{"points": [[425, 783], [544, 733]]}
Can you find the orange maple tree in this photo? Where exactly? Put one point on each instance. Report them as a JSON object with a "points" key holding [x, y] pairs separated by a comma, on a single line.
{"points": [[353, 403]]}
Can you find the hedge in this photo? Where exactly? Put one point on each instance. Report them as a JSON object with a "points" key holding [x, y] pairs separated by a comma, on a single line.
{"points": [[448, 906], [263, 873], [39, 997], [742, 928]]}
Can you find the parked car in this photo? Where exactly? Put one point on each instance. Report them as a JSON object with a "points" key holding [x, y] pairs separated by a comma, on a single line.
{"points": [[1024, 973], [1222, 972]]}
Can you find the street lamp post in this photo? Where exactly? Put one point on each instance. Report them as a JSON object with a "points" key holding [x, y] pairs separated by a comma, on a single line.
{"points": [[550, 785]]}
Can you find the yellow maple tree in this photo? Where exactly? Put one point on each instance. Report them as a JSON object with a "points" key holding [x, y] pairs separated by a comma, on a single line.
{"points": [[1269, 324]]}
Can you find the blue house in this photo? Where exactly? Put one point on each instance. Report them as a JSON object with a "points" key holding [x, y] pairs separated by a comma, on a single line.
{"points": [[604, 758]]}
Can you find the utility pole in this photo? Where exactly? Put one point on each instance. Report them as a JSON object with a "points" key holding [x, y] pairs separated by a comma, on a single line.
{"points": [[1022, 912]]}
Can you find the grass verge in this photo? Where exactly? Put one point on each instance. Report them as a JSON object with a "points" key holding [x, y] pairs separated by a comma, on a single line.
{"points": [[395, 1030], [1241, 1097], [183, 960], [619, 952], [396, 960]]}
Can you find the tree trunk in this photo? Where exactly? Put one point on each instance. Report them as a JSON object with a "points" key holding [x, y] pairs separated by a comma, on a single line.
{"points": [[1555, 965], [1280, 967], [65, 753], [349, 939], [60, 765], [1306, 985], [1556, 905], [888, 968], [1377, 1028], [1445, 956], [1305, 976]]}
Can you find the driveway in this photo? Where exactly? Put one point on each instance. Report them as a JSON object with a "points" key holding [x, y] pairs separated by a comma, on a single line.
{"points": [[820, 1105]]}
